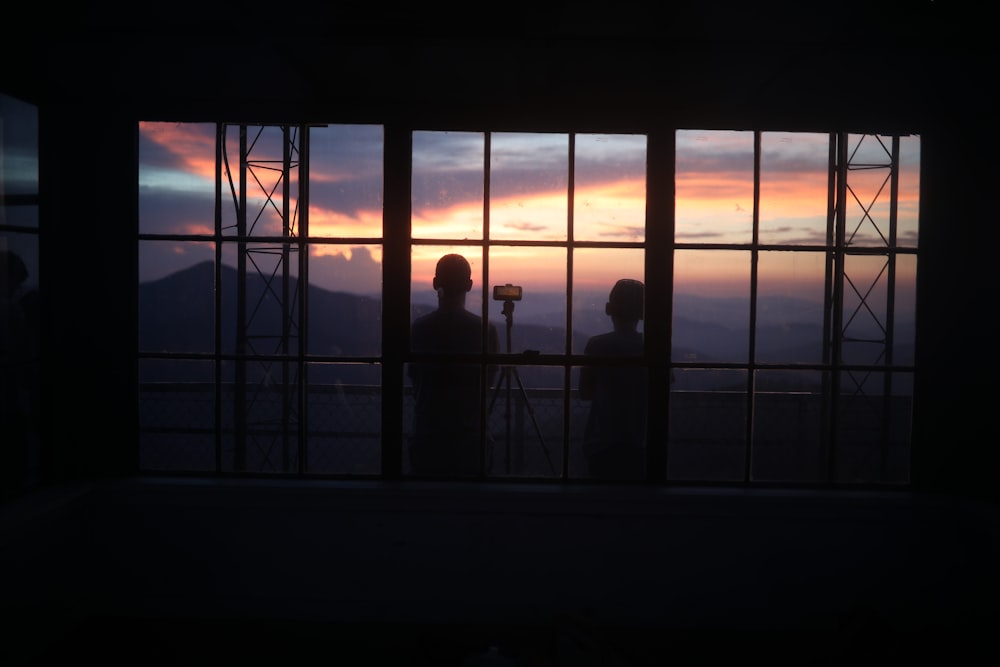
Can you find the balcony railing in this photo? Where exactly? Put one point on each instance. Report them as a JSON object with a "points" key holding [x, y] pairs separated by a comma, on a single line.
{"points": [[793, 437]]}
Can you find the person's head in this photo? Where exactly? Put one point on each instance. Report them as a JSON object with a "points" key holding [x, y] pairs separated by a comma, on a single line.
{"points": [[453, 276], [625, 303]]}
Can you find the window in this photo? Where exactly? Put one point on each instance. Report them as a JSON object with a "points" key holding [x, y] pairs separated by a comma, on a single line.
{"points": [[785, 284]]}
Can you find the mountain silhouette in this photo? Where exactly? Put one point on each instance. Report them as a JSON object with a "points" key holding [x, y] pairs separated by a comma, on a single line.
{"points": [[177, 314]]}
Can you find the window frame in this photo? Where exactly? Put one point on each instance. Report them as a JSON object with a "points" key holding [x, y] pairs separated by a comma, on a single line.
{"points": [[659, 246]]}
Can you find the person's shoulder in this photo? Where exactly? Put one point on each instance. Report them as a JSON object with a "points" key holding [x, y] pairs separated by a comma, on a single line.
{"points": [[614, 343]]}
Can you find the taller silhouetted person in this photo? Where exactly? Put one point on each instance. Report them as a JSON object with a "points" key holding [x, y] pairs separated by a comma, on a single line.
{"points": [[615, 436], [447, 424]]}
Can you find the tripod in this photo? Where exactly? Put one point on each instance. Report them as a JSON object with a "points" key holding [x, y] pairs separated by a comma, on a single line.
{"points": [[506, 372]]}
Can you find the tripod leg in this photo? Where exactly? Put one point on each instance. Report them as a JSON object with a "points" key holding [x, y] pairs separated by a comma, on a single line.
{"points": [[503, 381], [534, 421]]}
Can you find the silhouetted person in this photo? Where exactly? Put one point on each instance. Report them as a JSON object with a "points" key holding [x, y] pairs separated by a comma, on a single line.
{"points": [[14, 339], [447, 412], [615, 437]]}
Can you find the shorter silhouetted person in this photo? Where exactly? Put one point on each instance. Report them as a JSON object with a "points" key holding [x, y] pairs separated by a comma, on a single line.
{"points": [[447, 421], [615, 435]]}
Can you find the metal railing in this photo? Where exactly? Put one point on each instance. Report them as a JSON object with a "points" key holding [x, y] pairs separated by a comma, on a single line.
{"points": [[179, 432]]}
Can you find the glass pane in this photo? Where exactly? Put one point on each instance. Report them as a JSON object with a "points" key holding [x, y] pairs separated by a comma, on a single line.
{"points": [[443, 420], [613, 433], [874, 415], [269, 324], [345, 300], [529, 186], [345, 181], [609, 197], [711, 318], [162, 259], [868, 202], [905, 310], [263, 397], [788, 427], [176, 415], [708, 429], [345, 419], [423, 261], [19, 140], [794, 186], [714, 186], [177, 298], [176, 179], [526, 422], [908, 213], [865, 309], [447, 185], [536, 322], [790, 307], [268, 211], [595, 272]]}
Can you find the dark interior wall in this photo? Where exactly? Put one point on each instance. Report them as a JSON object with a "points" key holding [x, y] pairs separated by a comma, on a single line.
{"points": [[711, 561]]}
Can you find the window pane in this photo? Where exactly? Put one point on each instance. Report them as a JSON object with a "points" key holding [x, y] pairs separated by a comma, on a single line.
{"points": [[261, 436], [443, 425], [788, 427], [595, 272], [423, 260], [177, 300], [538, 320], [526, 422], [610, 188], [714, 186], [615, 399], [708, 428], [908, 218], [447, 185], [905, 310], [267, 175], [868, 205], [345, 181], [794, 186], [176, 415], [865, 302], [176, 179], [874, 414], [345, 419], [711, 317], [345, 300], [269, 324], [790, 307], [528, 186]]}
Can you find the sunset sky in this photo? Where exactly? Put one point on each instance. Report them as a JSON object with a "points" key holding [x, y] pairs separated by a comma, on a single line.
{"points": [[528, 201]]}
